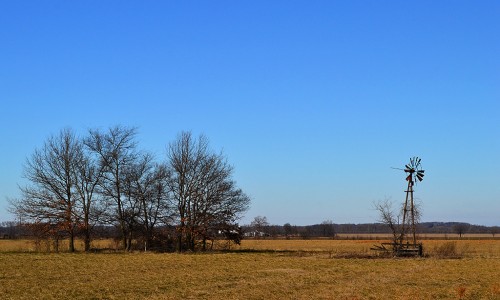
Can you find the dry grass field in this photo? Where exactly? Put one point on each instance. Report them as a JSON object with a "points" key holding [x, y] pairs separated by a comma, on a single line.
{"points": [[475, 248], [258, 269]]}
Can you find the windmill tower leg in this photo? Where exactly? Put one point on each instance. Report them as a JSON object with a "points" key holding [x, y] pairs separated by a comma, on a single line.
{"points": [[412, 212], [404, 225]]}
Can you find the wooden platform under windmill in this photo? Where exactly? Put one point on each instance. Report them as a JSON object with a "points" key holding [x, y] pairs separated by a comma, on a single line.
{"points": [[401, 250]]}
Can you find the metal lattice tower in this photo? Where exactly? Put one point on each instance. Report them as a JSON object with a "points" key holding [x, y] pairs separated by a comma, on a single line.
{"points": [[415, 174]]}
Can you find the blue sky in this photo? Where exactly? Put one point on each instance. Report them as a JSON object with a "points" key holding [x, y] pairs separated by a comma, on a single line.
{"points": [[313, 102]]}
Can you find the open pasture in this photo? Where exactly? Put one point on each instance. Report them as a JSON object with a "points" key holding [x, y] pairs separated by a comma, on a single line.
{"points": [[475, 248], [258, 269]]}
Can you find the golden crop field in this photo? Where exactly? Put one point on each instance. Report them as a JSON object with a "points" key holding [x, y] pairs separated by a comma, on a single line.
{"points": [[258, 269]]}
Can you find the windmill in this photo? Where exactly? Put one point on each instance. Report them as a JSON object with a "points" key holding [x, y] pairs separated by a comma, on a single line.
{"points": [[405, 237], [414, 174]]}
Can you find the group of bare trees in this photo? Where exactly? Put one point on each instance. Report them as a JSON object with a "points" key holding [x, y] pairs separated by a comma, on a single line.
{"points": [[103, 179]]}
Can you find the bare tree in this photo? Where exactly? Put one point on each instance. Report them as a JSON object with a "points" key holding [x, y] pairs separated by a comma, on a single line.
{"points": [[260, 224], [202, 190], [392, 218], [87, 178], [461, 228], [219, 203], [287, 227], [327, 228], [184, 158], [389, 217], [494, 230], [148, 194], [116, 150], [50, 198]]}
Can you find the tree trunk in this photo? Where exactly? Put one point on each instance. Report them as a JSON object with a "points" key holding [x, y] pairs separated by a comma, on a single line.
{"points": [[56, 244], [71, 241], [181, 230], [87, 240], [124, 241], [86, 233], [192, 242], [129, 244], [179, 242]]}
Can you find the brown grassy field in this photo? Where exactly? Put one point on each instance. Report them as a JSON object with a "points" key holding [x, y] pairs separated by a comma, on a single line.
{"points": [[351, 248], [258, 269]]}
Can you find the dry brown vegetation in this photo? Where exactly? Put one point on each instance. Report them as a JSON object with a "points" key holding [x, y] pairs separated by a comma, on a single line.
{"points": [[485, 248], [258, 269]]}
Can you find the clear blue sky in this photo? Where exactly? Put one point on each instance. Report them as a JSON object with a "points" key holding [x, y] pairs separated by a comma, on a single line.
{"points": [[313, 102]]}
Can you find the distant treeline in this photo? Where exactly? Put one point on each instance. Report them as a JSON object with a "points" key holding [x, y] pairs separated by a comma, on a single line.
{"points": [[11, 230], [326, 229]]}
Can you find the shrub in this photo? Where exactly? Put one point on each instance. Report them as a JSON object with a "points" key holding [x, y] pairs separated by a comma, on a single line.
{"points": [[447, 250]]}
